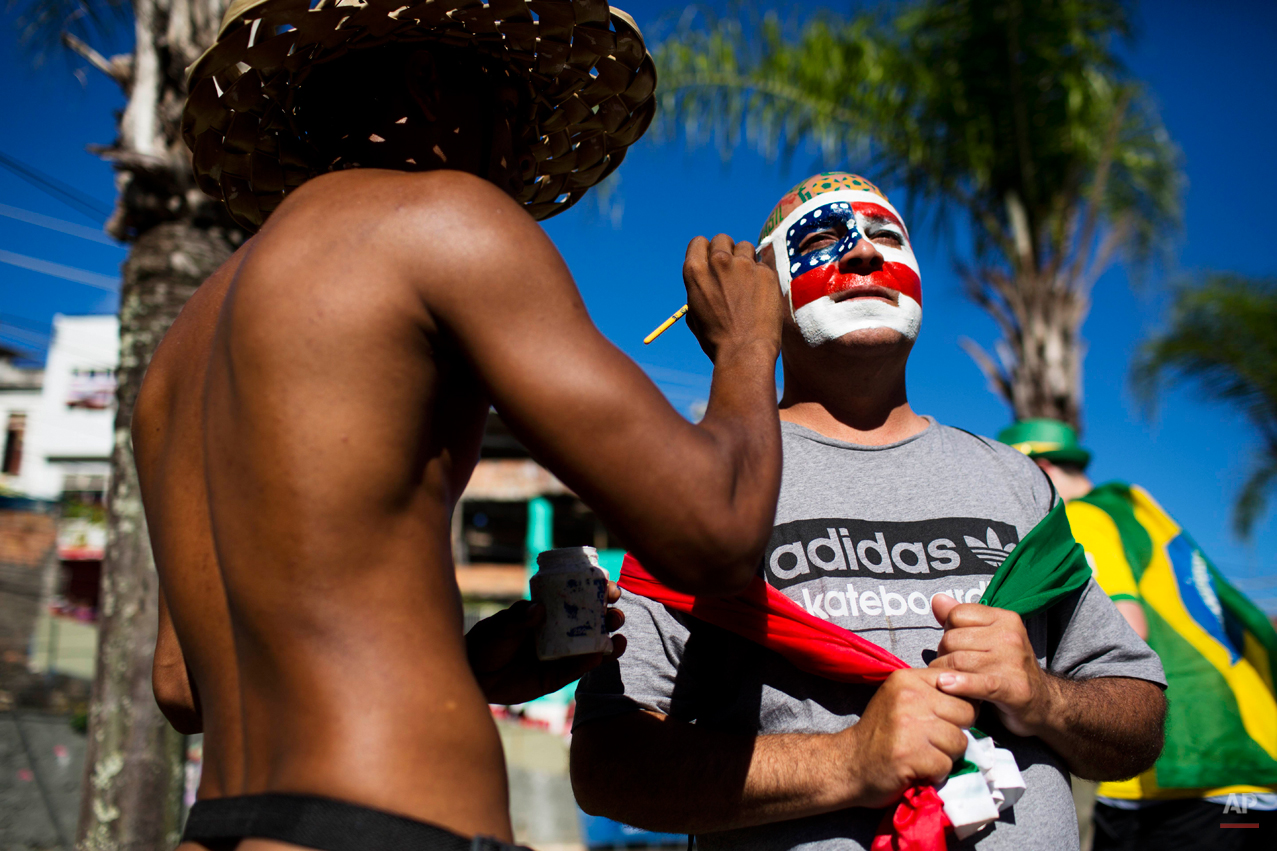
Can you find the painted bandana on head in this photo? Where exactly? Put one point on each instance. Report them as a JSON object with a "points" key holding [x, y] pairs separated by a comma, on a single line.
{"points": [[851, 208]]}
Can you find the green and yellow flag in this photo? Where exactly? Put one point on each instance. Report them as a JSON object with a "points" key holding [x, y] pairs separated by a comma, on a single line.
{"points": [[1218, 649]]}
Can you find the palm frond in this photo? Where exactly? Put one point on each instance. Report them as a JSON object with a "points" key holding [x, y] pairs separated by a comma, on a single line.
{"points": [[41, 23], [963, 103], [1222, 337], [1252, 501], [726, 82]]}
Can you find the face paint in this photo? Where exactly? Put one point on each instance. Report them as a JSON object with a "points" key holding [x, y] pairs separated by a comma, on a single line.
{"points": [[824, 300]]}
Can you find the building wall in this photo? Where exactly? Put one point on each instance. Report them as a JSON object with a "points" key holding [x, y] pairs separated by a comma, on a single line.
{"points": [[27, 539], [70, 433]]}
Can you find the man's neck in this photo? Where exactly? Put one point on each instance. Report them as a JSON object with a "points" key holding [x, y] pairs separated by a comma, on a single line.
{"points": [[1075, 487], [862, 401]]}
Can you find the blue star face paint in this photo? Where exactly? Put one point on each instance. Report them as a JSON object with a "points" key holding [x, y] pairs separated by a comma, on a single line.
{"points": [[833, 215]]}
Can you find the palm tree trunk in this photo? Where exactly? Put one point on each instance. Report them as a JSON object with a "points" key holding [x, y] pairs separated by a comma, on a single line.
{"points": [[134, 761], [133, 768], [1046, 379], [1038, 371]]}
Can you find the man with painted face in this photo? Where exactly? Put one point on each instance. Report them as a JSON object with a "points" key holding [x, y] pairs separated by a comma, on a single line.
{"points": [[890, 525]]}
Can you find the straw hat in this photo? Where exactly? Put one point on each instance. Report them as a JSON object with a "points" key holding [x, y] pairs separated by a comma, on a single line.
{"points": [[591, 76]]}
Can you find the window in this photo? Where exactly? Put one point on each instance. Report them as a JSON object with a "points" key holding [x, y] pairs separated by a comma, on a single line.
{"points": [[494, 532], [575, 525], [92, 388], [13, 434]]}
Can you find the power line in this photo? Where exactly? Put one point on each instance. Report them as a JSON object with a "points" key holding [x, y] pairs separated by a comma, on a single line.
{"points": [[71, 228], [25, 338], [57, 270], [86, 204], [31, 325]]}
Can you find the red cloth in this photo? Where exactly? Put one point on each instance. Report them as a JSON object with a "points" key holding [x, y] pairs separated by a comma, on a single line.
{"points": [[765, 616], [917, 824]]}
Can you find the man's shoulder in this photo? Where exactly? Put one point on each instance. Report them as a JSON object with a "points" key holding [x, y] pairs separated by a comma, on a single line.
{"points": [[983, 458], [974, 445], [386, 208], [429, 236]]}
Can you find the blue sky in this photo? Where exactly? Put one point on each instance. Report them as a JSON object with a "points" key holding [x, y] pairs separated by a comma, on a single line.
{"points": [[1211, 73]]}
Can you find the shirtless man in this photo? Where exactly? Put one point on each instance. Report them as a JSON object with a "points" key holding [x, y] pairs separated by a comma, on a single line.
{"points": [[309, 422]]}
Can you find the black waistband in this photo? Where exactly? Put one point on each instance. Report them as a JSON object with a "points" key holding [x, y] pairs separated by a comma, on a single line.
{"points": [[324, 824]]}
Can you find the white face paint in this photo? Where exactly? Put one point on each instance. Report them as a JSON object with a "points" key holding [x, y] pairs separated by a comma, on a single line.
{"points": [[810, 279], [826, 320]]}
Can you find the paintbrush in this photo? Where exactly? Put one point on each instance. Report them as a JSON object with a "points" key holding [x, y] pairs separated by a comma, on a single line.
{"points": [[665, 326]]}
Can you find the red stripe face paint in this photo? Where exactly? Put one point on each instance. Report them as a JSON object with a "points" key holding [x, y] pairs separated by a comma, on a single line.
{"points": [[871, 211], [828, 281]]}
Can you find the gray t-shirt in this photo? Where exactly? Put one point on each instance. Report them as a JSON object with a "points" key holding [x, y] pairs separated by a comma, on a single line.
{"points": [[864, 537]]}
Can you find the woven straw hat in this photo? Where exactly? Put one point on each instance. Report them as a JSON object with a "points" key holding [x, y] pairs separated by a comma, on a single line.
{"points": [[591, 75]]}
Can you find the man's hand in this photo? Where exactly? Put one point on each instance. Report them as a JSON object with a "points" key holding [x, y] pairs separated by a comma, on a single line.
{"points": [[502, 653], [910, 734], [731, 297], [1106, 728], [986, 655]]}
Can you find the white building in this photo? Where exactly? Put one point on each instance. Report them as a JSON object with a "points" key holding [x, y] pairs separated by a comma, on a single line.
{"points": [[58, 438], [68, 441]]}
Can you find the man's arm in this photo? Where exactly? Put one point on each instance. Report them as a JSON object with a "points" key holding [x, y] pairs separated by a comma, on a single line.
{"points": [[684, 778], [1106, 728], [502, 653], [174, 691], [441, 277], [693, 501], [1134, 615]]}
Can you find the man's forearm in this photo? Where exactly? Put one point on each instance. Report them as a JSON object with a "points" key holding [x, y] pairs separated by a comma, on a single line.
{"points": [[660, 774], [741, 417], [1107, 728]]}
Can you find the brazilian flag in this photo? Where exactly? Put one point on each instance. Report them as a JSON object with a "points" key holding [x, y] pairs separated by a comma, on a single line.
{"points": [[1218, 649]]}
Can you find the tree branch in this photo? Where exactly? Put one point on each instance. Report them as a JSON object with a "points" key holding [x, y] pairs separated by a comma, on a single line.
{"points": [[115, 68], [1096, 200], [1114, 239], [130, 160], [983, 294], [1018, 218], [998, 381]]}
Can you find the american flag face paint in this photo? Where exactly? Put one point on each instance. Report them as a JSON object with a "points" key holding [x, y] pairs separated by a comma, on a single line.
{"points": [[832, 215], [821, 297]]}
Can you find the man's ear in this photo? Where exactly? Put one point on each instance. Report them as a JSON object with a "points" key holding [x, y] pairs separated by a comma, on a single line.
{"points": [[767, 256]]}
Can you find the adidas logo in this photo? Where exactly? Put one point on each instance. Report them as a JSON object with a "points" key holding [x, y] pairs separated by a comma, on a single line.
{"points": [[990, 550], [802, 550]]}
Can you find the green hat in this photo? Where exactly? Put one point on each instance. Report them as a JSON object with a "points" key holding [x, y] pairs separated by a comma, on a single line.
{"points": [[1049, 439]]}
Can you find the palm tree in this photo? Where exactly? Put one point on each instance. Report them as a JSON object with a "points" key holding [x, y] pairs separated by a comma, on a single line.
{"points": [[1222, 336], [1018, 115], [177, 236]]}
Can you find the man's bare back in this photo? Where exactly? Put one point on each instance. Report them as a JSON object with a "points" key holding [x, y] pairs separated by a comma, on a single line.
{"points": [[308, 425]]}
